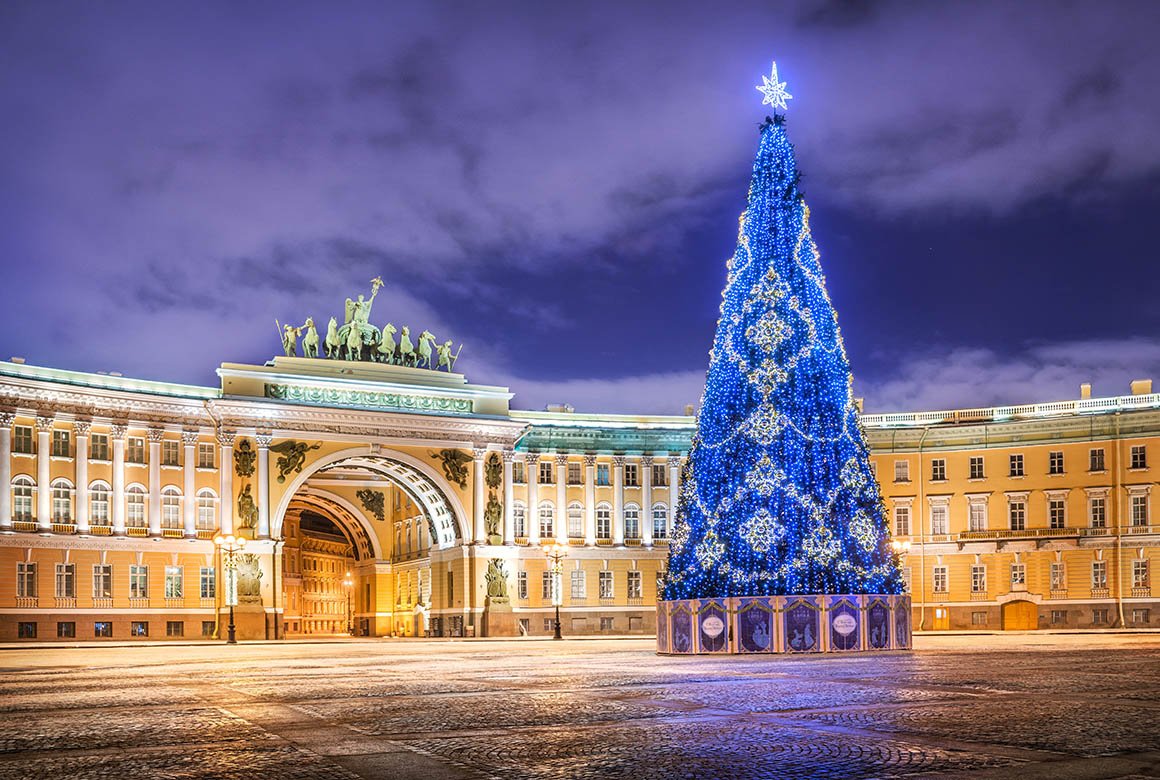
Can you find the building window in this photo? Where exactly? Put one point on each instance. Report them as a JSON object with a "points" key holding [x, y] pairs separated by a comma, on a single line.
{"points": [[60, 444], [1096, 459], [605, 624], [138, 628], [606, 590], [603, 521], [522, 584], [23, 441], [135, 450], [103, 629], [547, 581], [102, 581], [138, 582], [22, 494], [1017, 512], [171, 508], [977, 516], [938, 519], [906, 579], [902, 521], [135, 506], [205, 458], [574, 477], [658, 475], [1057, 512], [99, 503], [631, 475], [26, 580], [938, 470], [978, 618], [519, 520], [1139, 457], [660, 520], [1139, 509], [575, 521], [547, 520], [207, 628], [1140, 577], [1055, 463], [61, 502], [1140, 616], [174, 585], [208, 578], [940, 579], [901, 471], [1059, 617], [99, 447], [170, 453], [1099, 575], [174, 628], [1058, 576], [546, 472], [976, 467], [206, 510], [978, 579], [1018, 576], [635, 586], [1099, 617], [579, 585], [519, 475], [631, 521], [26, 630], [66, 581], [66, 630], [1098, 512], [602, 474], [1016, 466]]}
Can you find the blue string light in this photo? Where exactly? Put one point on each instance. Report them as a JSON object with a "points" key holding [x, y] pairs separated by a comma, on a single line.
{"points": [[778, 496]]}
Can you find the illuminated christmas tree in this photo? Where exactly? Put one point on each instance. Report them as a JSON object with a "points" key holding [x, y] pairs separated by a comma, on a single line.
{"points": [[779, 496]]}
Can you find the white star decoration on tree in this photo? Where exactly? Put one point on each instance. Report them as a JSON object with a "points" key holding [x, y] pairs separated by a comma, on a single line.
{"points": [[773, 90]]}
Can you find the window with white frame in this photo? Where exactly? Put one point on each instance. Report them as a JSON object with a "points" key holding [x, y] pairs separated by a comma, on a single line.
{"points": [[939, 520], [206, 510], [60, 444], [26, 580], [66, 581], [1099, 575], [1016, 469], [1140, 579], [519, 473], [976, 465], [23, 441], [174, 582], [902, 520], [1055, 462], [631, 475], [1097, 511], [547, 585], [977, 514], [547, 520], [519, 520], [1139, 457], [1139, 509], [606, 587], [906, 575], [205, 456], [1056, 512], [1017, 514], [207, 582], [522, 585], [135, 449], [659, 475], [631, 521], [978, 578], [546, 473], [1058, 576], [660, 521], [135, 506], [575, 476], [603, 521], [940, 579], [99, 446], [575, 520], [579, 584], [938, 470], [635, 586], [1018, 576], [102, 581], [901, 471], [170, 452], [61, 501], [602, 475], [99, 503], [170, 508], [1096, 459], [138, 581], [23, 489]]}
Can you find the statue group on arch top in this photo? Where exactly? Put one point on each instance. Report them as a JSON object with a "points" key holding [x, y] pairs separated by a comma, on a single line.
{"points": [[357, 339]]}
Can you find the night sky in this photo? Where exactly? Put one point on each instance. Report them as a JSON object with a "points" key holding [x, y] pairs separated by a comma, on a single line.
{"points": [[558, 186]]}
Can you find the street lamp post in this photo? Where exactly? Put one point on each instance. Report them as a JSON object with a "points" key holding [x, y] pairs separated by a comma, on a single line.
{"points": [[230, 546], [348, 583], [556, 554]]}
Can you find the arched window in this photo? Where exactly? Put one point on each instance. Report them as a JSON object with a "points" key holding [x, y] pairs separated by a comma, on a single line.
{"points": [[99, 503], [575, 520], [603, 521], [135, 506], [660, 521], [170, 507], [23, 491], [631, 521], [61, 501], [547, 519], [206, 510], [519, 519]]}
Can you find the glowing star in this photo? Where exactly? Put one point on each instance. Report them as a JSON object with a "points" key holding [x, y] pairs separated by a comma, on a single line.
{"points": [[773, 90]]}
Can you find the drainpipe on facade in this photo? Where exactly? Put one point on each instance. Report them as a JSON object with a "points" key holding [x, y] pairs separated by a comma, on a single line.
{"points": [[1119, 530], [921, 537]]}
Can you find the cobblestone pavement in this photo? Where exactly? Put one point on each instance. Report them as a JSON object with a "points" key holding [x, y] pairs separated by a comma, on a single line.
{"points": [[983, 706]]}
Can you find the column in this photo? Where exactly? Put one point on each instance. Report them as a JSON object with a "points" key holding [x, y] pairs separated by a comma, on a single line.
{"points": [[508, 521], [263, 440], [43, 475], [618, 500], [155, 437], [117, 434], [189, 488], [81, 430], [532, 472], [674, 486], [477, 501], [562, 498], [6, 420], [646, 529], [590, 500], [226, 479]]}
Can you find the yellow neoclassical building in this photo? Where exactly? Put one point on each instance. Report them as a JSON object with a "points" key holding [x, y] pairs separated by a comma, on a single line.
{"points": [[395, 500]]}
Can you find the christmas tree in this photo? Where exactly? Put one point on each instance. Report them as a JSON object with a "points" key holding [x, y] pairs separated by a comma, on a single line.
{"points": [[779, 497]]}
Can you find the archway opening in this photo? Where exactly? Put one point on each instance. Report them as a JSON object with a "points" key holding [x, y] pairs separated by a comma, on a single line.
{"points": [[1020, 616]]}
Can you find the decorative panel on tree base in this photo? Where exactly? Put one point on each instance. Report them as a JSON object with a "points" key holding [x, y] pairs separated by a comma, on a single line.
{"points": [[747, 625]]}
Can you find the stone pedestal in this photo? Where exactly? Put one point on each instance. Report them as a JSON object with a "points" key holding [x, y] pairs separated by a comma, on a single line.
{"points": [[249, 620], [499, 619]]}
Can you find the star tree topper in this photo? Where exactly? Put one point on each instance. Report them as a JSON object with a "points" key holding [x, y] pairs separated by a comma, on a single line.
{"points": [[773, 90]]}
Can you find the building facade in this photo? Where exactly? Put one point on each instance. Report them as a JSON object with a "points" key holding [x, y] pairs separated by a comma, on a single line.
{"points": [[403, 501]]}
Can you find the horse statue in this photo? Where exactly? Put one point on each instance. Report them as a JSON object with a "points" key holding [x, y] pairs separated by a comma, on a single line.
{"points": [[406, 348], [332, 342], [426, 339], [386, 348], [310, 340], [354, 344]]}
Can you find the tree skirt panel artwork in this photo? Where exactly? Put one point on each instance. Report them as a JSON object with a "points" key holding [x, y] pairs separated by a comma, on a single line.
{"points": [[878, 623], [755, 626], [802, 626], [681, 620], [712, 626], [845, 624]]}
